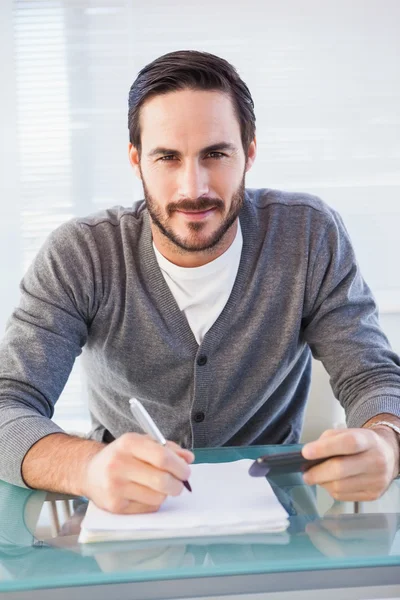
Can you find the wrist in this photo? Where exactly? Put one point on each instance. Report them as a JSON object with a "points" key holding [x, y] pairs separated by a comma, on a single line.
{"points": [[393, 439], [86, 468]]}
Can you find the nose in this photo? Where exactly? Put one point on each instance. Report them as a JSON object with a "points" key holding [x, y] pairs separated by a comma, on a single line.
{"points": [[193, 181]]}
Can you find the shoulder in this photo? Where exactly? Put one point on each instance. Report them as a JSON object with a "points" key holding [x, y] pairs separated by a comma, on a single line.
{"points": [[107, 223], [86, 239], [295, 216], [264, 198], [117, 216]]}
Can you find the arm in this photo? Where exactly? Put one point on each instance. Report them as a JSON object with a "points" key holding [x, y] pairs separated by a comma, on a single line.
{"points": [[44, 335], [340, 324], [342, 329], [133, 474], [58, 463], [61, 294]]}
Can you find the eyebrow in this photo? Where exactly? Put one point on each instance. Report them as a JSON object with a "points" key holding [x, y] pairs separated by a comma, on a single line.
{"points": [[221, 146]]}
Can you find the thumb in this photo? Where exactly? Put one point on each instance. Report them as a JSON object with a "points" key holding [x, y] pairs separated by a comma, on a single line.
{"points": [[330, 433]]}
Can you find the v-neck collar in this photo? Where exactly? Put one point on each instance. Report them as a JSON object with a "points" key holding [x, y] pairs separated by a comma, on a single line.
{"points": [[164, 299]]}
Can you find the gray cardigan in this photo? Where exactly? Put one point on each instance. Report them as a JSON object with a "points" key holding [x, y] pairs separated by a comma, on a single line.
{"points": [[96, 285]]}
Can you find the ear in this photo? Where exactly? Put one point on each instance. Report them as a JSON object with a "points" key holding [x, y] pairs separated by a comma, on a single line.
{"points": [[134, 159], [251, 155]]}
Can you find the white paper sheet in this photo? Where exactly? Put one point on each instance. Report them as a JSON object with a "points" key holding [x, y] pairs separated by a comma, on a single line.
{"points": [[225, 500]]}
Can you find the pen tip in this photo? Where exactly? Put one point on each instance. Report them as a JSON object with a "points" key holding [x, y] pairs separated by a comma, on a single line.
{"points": [[187, 485]]}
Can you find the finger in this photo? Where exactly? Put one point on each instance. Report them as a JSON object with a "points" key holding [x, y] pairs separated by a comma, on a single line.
{"points": [[355, 496], [135, 492], [123, 504], [336, 468], [347, 441], [325, 434], [187, 455], [357, 488], [148, 451], [330, 433], [134, 508], [150, 477], [364, 464]]}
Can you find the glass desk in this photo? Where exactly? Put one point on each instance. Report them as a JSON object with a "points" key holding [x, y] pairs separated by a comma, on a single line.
{"points": [[347, 550]]}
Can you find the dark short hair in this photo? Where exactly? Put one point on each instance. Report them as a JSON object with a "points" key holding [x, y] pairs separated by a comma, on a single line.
{"points": [[190, 69]]}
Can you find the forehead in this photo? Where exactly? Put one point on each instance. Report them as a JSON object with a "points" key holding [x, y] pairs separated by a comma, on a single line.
{"points": [[198, 116]]}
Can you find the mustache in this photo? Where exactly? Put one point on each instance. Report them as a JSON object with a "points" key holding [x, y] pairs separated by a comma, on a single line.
{"points": [[200, 204]]}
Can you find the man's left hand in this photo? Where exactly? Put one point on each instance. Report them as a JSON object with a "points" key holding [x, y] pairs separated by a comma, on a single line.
{"points": [[368, 462]]}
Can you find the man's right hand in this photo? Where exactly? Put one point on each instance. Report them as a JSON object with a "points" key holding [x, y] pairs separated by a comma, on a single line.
{"points": [[134, 474]]}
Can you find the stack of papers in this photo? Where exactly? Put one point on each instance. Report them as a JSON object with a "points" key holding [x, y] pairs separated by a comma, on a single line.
{"points": [[225, 500]]}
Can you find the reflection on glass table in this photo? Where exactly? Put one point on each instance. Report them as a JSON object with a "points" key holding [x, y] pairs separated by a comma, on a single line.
{"points": [[323, 534]]}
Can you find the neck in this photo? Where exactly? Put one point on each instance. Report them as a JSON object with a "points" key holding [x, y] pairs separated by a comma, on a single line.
{"points": [[183, 258]]}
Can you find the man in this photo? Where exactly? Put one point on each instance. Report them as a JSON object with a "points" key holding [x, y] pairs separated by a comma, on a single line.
{"points": [[203, 302]]}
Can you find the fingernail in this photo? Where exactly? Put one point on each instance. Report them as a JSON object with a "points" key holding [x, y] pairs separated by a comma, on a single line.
{"points": [[308, 451]]}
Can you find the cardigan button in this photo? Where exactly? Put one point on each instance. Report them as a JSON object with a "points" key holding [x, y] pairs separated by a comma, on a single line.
{"points": [[199, 417], [202, 360]]}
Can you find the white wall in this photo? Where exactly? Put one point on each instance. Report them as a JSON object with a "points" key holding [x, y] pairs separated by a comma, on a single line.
{"points": [[324, 76], [10, 247]]}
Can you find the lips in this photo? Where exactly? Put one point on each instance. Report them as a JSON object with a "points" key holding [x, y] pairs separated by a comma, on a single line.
{"points": [[197, 214]]}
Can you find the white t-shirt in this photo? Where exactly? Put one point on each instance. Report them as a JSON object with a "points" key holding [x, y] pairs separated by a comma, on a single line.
{"points": [[202, 292]]}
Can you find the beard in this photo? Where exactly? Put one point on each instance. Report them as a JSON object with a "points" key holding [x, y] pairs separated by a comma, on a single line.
{"points": [[194, 241]]}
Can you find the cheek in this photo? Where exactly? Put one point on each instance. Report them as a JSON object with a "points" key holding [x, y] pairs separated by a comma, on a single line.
{"points": [[159, 182], [230, 169], [226, 181]]}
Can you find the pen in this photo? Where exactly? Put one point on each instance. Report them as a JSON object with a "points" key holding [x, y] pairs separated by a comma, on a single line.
{"points": [[147, 424]]}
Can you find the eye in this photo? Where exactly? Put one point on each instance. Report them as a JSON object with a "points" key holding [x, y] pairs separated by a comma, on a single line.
{"points": [[167, 158], [216, 155]]}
